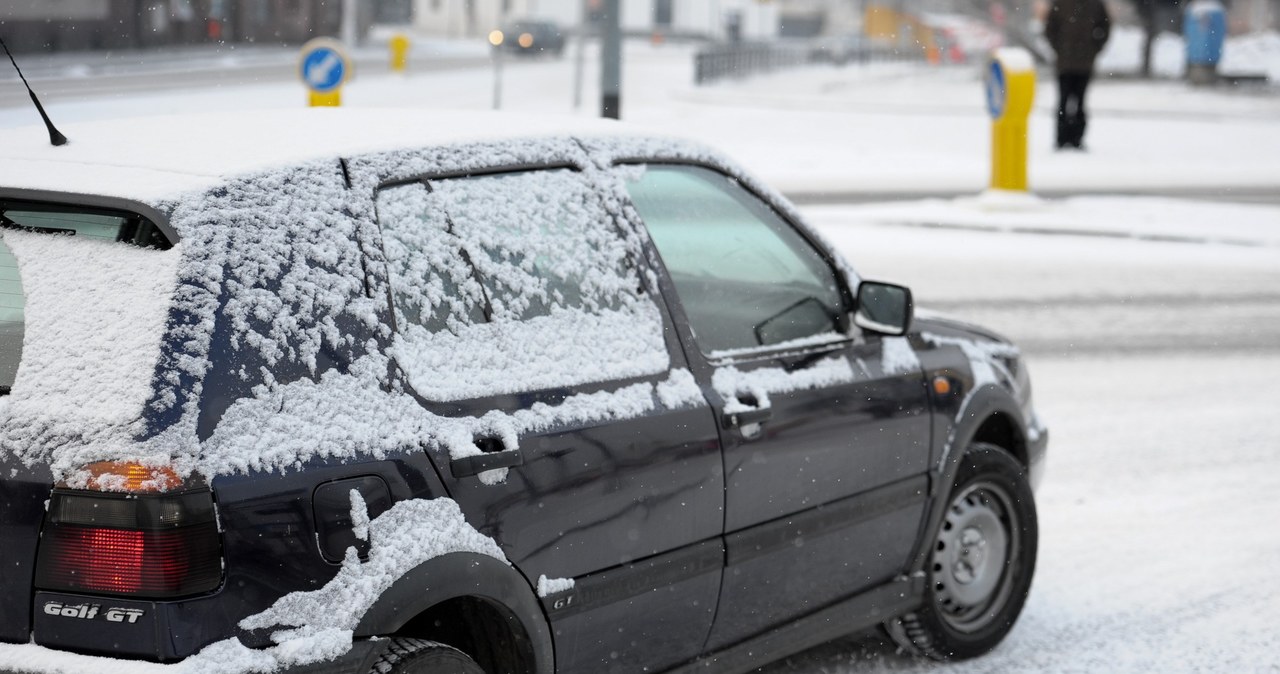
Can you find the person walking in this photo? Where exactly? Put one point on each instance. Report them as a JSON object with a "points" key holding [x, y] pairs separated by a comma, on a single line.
{"points": [[1077, 30]]}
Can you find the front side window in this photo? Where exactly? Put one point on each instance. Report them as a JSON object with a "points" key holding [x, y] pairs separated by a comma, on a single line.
{"points": [[745, 277], [511, 282]]}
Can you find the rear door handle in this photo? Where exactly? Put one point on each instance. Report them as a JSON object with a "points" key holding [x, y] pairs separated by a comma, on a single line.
{"points": [[472, 465]]}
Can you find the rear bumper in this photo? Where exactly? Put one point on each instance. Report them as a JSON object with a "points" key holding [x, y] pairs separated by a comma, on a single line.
{"points": [[34, 659]]}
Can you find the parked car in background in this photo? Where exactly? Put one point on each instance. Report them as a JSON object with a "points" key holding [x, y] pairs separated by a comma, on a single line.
{"points": [[379, 391], [531, 37]]}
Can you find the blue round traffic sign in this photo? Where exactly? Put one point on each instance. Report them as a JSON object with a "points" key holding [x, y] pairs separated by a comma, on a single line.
{"points": [[996, 90], [324, 66]]}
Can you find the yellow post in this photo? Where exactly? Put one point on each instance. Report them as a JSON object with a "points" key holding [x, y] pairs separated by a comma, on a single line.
{"points": [[1011, 89], [328, 99], [399, 53]]}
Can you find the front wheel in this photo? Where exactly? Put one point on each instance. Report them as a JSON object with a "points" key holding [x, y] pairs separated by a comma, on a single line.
{"points": [[418, 656], [980, 567]]}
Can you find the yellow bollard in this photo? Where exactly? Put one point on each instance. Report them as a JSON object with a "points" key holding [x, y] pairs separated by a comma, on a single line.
{"points": [[1011, 89], [399, 53], [328, 99]]}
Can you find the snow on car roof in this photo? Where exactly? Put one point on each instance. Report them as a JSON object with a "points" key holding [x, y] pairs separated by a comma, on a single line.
{"points": [[151, 158]]}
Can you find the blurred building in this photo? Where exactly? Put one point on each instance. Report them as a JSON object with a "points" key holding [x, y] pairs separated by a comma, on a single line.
{"points": [[671, 18], [61, 25]]}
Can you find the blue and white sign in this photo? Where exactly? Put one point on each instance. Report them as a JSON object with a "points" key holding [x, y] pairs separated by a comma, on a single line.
{"points": [[996, 89], [324, 65]]}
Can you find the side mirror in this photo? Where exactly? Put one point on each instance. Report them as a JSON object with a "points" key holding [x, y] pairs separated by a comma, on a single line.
{"points": [[883, 308]]}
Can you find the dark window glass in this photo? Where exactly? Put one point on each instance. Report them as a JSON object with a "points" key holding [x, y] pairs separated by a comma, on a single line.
{"points": [[662, 12], [745, 277]]}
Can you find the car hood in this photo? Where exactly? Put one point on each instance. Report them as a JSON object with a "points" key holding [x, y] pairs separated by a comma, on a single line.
{"points": [[939, 323]]}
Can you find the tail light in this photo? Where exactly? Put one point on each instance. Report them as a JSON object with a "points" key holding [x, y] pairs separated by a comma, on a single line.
{"points": [[154, 537]]}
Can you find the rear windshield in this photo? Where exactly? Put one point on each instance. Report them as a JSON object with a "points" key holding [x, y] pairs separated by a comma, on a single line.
{"points": [[55, 220]]}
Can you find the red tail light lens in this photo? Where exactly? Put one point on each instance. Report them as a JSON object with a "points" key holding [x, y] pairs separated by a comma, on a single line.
{"points": [[138, 563], [146, 546]]}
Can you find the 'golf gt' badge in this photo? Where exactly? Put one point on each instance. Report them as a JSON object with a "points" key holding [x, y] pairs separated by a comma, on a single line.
{"points": [[93, 612]]}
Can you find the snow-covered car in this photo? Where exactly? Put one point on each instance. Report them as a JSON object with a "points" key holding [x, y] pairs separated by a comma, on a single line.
{"points": [[402, 391], [532, 37]]}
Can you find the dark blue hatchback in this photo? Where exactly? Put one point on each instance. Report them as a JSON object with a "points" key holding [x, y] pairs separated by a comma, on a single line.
{"points": [[420, 398]]}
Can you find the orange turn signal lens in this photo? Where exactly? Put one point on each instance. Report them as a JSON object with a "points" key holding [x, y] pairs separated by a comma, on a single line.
{"points": [[131, 477], [941, 385]]}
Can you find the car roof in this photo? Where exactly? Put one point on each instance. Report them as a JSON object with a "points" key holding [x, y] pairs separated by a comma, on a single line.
{"points": [[153, 158]]}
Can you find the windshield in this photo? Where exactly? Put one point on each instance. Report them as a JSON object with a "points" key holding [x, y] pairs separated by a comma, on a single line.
{"points": [[53, 219]]}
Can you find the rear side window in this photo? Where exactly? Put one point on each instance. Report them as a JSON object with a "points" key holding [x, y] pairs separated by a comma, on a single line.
{"points": [[10, 318], [514, 281], [58, 220]]}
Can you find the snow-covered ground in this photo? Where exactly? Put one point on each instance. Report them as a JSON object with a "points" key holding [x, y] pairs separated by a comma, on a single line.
{"points": [[1152, 325]]}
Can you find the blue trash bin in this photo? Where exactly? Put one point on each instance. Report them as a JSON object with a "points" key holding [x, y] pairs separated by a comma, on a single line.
{"points": [[1204, 28]]}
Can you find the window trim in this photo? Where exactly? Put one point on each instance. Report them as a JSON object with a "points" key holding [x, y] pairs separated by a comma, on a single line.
{"points": [[115, 205], [475, 173], [748, 354]]}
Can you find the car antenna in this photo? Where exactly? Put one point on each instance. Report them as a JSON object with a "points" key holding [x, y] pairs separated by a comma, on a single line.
{"points": [[55, 136]]}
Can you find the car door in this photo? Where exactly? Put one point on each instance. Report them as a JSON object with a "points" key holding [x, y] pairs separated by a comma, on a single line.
{"points": [[569, 427], [824, 429]]}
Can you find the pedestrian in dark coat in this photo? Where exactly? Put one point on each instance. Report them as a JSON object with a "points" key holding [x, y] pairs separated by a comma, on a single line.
{"points": [[1077, 30]]}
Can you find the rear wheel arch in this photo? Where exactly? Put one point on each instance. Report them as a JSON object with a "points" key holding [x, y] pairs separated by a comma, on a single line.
{"points": [[475, 603]]}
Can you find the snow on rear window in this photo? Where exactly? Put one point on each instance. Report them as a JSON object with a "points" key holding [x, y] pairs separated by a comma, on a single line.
{"points": [[511, 282], [95, 315]]}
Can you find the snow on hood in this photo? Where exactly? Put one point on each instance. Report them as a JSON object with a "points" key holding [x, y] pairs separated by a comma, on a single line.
{"points": [[95, 316]]}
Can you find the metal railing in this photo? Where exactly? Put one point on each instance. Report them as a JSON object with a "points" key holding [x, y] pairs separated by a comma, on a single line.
{"points": [[737, 61]]}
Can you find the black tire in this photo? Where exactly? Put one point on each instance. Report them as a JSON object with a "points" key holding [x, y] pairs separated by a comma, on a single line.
{"points": [[983, 558], [418, 656]]}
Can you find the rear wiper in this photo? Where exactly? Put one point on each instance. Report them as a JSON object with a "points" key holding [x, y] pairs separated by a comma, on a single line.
{"points": [[6, 223]]}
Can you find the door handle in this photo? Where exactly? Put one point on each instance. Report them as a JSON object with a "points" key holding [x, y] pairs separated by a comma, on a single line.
{"points": [[748, 417], [472, 465], [493, 457]]}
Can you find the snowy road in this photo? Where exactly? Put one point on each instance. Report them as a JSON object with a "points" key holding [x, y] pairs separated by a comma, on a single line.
{"points": [[1155, 366]]}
